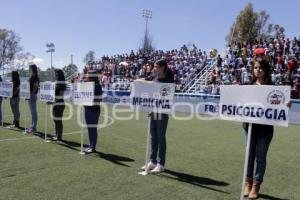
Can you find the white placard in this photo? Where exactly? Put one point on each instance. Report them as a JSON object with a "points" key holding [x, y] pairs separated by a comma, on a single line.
{"points": [[262, 104], [152, 96], [47, 91], [83, 93], [68, 92], [25, 90], [6, 89]]}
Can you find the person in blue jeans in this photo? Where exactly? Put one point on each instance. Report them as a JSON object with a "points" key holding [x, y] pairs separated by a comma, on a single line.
{"points": [[92, 113], [34, 87], [159, 124], [261, 136]]}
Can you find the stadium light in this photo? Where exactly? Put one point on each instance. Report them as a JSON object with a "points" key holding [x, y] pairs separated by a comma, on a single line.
{"points": [[147, 14], [51, 49]]}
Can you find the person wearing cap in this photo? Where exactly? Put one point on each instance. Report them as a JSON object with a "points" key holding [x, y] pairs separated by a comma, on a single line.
{"points": [[159, 123], [92, 113]]}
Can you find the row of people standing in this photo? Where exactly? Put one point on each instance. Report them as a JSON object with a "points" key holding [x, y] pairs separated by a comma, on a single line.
{"points": [[261, 134], [15, 99], [92, 113]]}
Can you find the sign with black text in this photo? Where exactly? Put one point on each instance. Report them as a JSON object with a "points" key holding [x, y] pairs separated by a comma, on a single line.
{"points": [[262, 104], [152, 96], [83, 93], [6, 89], [47, 91]]}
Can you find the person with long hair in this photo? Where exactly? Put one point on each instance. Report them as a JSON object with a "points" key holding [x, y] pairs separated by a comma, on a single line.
{"points": [[15, 100], [92, 113], [34, 87], [59, 104], [261, 136], [159, 124]]}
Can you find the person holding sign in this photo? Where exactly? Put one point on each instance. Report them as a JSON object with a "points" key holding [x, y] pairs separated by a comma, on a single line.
{"points": [[34, 87], [261, 136], [59, 104], [159, 123], [92, 113], [15, 100]]}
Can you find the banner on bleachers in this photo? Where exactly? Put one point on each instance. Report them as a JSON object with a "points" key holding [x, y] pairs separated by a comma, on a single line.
{"points": [[152, 96], [6, 89], [83, 93], [47, 91], [25, 90], [261, 105]]}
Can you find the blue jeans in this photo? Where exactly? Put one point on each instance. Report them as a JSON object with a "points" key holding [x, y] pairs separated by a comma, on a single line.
{"points": [[260, 142], [14, 105], [92, 114], [0, 109], [32, 107], [158, 131]]}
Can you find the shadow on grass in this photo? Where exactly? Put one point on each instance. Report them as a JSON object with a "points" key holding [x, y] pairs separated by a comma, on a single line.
{"points": [[195, 180], [265, 196], [116, 159]]}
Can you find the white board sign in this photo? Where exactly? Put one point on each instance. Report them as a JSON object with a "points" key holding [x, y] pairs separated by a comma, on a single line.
{"points": [[152, 96], [262, 104], [6, 89], [25, 90], [83, 93], [47, 91]]}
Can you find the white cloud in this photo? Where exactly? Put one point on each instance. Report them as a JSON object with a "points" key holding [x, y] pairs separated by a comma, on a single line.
{"points": [[38, 60]]}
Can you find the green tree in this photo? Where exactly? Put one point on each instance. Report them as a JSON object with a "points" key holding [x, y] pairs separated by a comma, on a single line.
{"points": [[250, 26], [45, 75], [23, 60], [70, 70], [89, 57], [9, 47]]}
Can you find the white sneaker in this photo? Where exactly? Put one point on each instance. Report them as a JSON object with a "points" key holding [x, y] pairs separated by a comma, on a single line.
{"points": [[150, 166], [158, 169]]}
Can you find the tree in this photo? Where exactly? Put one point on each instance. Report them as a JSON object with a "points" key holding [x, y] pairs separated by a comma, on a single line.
{"points": [[9, 47], [23, 60], [45, 75], [89, 57], [70, 70], [251, 26]]}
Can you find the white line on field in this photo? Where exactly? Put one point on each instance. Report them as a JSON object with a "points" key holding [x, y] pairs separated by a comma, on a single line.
{"points": [[71, 133]]}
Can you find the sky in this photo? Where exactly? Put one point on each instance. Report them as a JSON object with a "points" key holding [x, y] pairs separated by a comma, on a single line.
{"points": [[111, 27]]}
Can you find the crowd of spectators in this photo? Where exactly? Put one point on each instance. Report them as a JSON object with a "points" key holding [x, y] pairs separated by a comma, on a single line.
{"points": [[116, 72]]}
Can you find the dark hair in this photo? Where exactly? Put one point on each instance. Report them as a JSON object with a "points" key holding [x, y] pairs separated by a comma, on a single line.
{"points": [[266, 67], [60, 78], [93, 76], [161, 63], [15, 77], [34, 70]]}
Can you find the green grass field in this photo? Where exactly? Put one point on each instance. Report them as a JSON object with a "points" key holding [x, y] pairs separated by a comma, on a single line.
{"points": [[204, 161]]}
